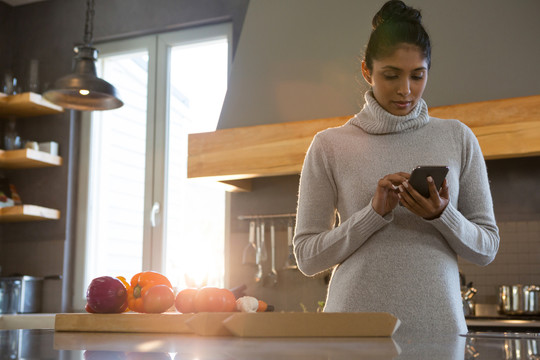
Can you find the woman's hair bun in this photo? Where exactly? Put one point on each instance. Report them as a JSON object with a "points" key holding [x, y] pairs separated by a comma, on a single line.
{"points": [[396, 11]]}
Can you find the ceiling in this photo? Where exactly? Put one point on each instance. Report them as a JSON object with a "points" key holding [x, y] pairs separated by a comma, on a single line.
{"points": [[20, 2]]}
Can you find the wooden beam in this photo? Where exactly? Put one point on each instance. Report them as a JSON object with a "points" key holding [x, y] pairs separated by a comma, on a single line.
{"points": [[505, 128], [492, 112], [509, 140], [254, 151]]}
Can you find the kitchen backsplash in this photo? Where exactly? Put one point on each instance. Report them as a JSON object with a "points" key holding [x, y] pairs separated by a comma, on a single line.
{"points": [[517, 262], [514, 184]]}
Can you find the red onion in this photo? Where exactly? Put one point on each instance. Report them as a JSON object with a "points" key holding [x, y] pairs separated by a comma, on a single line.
{"points": [[106, 294]]}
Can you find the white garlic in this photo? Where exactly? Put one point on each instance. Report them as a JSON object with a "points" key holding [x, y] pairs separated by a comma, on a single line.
{"points": [[247, 304]]}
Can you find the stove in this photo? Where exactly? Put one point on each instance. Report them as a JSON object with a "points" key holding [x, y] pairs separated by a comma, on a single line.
{"points": [[504, 323]]}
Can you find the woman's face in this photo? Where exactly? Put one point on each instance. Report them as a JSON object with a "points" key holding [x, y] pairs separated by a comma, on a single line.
{"points": [[398, 81]]}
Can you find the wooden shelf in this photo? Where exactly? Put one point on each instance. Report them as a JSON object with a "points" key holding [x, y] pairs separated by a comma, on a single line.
{"points": [[27, 158], [22, 213], [26, 105], [505, 128]]}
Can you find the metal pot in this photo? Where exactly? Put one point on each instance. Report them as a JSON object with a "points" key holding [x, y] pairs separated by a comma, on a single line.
{"points": [[20, 294], [519, 299], [467, 297]]}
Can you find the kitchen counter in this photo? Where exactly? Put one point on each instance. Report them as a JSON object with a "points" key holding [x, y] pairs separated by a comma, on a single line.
{"points": [[502, 324], [48, 344], [26, 321]]}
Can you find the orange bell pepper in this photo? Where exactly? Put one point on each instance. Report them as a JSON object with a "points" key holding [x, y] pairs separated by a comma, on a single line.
{"points": [[140, 283]]}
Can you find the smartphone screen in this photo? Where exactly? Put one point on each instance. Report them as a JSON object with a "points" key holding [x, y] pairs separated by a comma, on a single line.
{"points": [[419, 175]]}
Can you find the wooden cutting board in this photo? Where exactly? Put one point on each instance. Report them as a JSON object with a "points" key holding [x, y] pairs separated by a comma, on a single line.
{"points": [[209, 323], [125, 322], [269, 324], [312, 324]]}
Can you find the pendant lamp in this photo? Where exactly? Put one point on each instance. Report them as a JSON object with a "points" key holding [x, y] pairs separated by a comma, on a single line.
{"points": [[83, 90]]}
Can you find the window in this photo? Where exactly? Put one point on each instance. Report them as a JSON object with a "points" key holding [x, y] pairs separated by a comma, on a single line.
{"points": [[137, 209]]}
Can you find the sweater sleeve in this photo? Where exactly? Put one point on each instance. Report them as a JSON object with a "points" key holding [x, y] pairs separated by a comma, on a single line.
{"points": [[470, 229], [318, 245]]}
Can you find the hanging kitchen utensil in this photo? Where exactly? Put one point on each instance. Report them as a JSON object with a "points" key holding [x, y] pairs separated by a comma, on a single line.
{"points": [[271, 278], [258, 255], [290, 264], [250, 251], [264, 253]]}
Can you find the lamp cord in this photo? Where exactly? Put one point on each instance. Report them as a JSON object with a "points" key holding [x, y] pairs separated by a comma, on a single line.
{"points": [[89, 25]]}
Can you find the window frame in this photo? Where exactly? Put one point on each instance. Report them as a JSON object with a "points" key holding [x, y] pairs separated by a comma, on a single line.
{"points": [[158, 47]]}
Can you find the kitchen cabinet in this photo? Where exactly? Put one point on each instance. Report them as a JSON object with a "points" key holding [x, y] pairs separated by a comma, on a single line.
{"points": [[27, 105], [505, 128]]}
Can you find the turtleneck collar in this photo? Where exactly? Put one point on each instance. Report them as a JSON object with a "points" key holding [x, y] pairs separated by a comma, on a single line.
{"points": [[373, 119]]}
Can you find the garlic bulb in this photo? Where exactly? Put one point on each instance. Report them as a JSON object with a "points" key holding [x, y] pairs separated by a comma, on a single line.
{"points": [[247, 304]]}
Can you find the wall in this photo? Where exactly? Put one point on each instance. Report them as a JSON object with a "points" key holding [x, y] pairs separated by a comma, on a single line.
{"points": [[47, 31], [308, 66], [4, 64], [6, 21]]}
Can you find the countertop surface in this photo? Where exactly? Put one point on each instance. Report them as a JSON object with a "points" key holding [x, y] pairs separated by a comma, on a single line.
{"points": [[47, 344], [31, 337]]}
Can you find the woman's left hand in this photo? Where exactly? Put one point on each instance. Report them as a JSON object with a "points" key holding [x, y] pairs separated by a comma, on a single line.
{"points": [[427, 208]]}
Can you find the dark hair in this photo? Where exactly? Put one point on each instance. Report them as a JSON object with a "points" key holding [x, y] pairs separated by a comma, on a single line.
{"points": [[393, 24]]}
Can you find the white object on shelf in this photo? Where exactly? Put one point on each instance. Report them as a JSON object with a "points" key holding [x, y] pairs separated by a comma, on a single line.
{"points": [[50, 147]]}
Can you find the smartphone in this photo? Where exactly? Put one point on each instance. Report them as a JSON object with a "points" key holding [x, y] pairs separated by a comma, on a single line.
{"points": [[419, 175]]}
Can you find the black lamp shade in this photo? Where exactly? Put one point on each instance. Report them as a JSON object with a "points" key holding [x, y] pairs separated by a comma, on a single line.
{"points": [[83, 90]]}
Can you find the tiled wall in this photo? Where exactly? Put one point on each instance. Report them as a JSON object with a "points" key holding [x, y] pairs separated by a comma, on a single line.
{"points": [[514, 184], [517, 262]]}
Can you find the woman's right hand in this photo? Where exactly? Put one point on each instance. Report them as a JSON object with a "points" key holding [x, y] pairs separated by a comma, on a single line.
{"points": [[386, 198]]}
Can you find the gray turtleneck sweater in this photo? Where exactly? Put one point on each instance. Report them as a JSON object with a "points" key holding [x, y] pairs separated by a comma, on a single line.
{"points": [[400, 263]]}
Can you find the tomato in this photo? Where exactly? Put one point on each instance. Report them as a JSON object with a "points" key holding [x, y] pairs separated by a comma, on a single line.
{"points": [[158, 299], [89, 309], [214, 300], [229, 300], [185, 301]]}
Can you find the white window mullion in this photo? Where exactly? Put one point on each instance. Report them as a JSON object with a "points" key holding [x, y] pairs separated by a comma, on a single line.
{"points": [[151, 158], [155, 255]]}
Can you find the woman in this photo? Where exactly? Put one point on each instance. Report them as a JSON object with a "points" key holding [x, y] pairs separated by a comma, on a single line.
{"points": [[386, 257]]}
